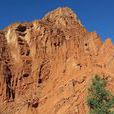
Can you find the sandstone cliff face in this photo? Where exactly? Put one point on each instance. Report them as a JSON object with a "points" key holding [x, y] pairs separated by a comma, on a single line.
{"points": [[46, 66]]}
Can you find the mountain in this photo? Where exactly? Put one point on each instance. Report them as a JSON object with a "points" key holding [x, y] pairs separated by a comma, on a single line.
{"points": [[46, 66]]}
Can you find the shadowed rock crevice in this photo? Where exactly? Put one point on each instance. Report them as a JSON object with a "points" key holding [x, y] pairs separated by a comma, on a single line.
{"points": [[21, 28], [44, 71]]}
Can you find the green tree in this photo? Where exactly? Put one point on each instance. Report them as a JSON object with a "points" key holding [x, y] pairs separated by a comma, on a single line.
{"points": [[100, 100]]}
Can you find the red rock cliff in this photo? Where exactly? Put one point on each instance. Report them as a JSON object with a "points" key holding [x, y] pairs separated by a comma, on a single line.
{"points": [[47, 65]]}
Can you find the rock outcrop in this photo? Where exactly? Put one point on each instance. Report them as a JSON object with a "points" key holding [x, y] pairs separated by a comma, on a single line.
{"points": [[47, 65]]}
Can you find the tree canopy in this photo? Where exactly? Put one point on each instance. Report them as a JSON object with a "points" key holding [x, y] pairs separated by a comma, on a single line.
{"points": [[100, 100]]}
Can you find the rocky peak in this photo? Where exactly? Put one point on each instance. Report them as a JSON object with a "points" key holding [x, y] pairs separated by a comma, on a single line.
{"points": [[64, 16]]}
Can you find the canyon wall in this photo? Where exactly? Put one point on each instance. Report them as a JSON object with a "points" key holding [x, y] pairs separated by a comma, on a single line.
{"points": [[46, 66]]}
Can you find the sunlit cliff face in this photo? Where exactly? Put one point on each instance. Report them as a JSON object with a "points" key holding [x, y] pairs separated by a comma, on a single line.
{"points": [[46, 66]]}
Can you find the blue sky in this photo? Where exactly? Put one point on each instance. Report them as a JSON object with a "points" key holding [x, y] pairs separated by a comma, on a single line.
{"points": [[96, 15]]}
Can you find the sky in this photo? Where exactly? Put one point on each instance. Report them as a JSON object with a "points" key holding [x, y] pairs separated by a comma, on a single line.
{"points": [[95, 15]]}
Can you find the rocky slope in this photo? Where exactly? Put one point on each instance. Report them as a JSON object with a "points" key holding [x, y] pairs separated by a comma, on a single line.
{"points": [[46, 66]]}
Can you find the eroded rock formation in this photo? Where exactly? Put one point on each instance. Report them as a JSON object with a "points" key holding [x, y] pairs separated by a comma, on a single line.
{"points": [[46, 66]]}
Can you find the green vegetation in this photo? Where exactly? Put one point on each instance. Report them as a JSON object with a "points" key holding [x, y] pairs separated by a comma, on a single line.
{"points": [[69, 9], [100, 100]]}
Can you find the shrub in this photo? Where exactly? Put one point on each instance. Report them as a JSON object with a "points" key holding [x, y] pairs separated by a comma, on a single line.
{"points": [[100, 100]]}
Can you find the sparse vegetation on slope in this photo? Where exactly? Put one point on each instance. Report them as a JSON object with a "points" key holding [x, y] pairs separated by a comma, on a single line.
{"points": [[100, 100]]}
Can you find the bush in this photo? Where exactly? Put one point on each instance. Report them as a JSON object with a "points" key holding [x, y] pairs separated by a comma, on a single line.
{"points": [[100, 100]]}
